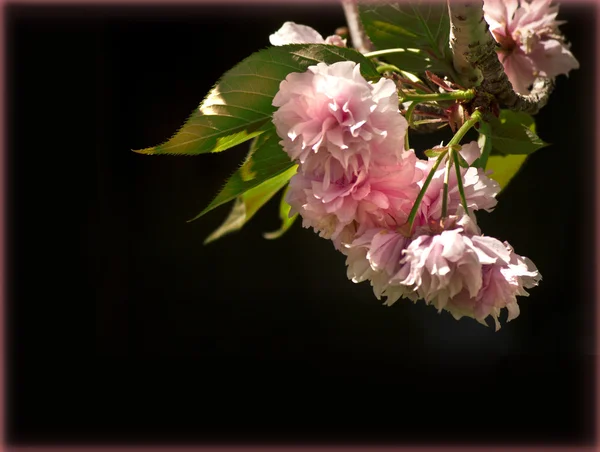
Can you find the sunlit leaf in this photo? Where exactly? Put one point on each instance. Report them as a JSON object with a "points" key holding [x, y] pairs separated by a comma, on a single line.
{"points": [[504, 167], [265, 160], [284, 215], [239, 107], [246, 205]]}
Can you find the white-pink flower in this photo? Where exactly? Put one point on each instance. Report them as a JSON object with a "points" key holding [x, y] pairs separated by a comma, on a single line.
{"points": [[456, 269], [502, 282], [292, 33], [531, 44], [375, 256], [331, 113], [466, 273], [381, 196], [480, 190]]}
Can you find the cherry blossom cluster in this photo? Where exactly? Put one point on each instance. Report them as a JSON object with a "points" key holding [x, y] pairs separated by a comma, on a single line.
{"points": [[356, 185]]}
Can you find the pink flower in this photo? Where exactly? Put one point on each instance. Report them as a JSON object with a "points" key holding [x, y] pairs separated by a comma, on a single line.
{"points": [[292, 33], [531, 42], [331, 113], [466, 273], [457, 270], [375, 256], [378, 197], [480, 190], [501, 283]]}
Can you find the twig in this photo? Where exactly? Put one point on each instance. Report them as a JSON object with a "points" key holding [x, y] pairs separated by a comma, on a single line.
{"points": [[360, 40]]}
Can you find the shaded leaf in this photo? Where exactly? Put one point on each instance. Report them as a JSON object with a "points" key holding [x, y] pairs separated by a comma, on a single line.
{"points": [[246, 205], [239, 108], [485, 144], [284, 215], [265, 160], [514, 133], [421, 28]]}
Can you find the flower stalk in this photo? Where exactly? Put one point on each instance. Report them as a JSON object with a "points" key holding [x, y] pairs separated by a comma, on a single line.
{"points": [[466, 95], [388, 68], [415, 208], [461, 188], [460, 133], [449, 160], [452, 153]]}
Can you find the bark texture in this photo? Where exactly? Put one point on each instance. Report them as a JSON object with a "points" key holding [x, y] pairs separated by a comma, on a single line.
{"points": [[473, 44]]}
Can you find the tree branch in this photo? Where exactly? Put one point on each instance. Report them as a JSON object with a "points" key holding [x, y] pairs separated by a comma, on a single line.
{"points": [[360, 40], [465, 29], [473, 43]]}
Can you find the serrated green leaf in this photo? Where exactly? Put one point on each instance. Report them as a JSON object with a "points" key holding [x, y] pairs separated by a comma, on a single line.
{"points": [[246, 205], [265, 160], [284, 215], [513, 133], [234, 221], [422, 28], [504, 167], [239, 107]]}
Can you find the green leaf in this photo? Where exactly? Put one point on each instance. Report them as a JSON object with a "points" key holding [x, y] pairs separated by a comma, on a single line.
{"points": [[421, 28], [239, 107], [504, 167], [284, 215], [514, 133], [265, 160], [485, 144], [246, 205]]}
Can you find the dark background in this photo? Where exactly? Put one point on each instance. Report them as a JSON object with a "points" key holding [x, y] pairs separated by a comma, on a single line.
{"points": [[123, 327]]}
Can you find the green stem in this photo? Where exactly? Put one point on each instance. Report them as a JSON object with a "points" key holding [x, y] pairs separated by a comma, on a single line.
{"points": [[415, 208], [461, 189], [427, 121], [409, 113], [474, 119], [451, 153], [377, 53], [468, 94], [388, 68]]}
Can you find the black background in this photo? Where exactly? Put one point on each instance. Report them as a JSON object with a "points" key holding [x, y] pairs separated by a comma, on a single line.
{"points": [[123, 327]]}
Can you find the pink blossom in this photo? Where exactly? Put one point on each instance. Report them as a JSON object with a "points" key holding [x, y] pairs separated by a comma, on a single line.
{"points": [[501, 283], [375, 256], [480, 190], [457, 270], [292, 33], [466, 273], [379, 197], [331, 113], [531, 44]]}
